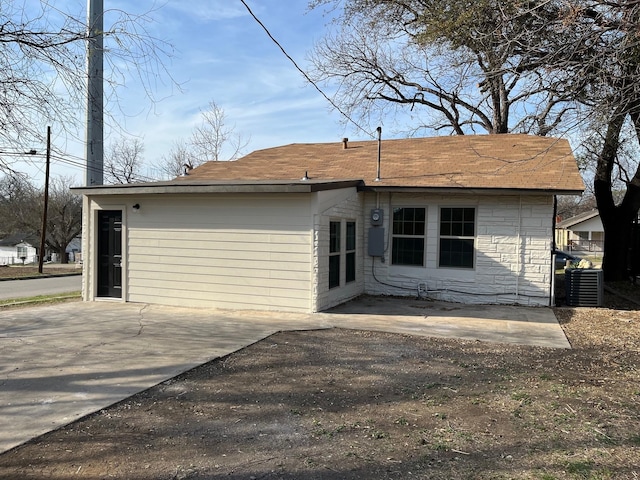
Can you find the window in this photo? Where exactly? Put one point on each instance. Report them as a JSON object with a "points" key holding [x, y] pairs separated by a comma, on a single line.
{"points": [[351, 252], [334, 254], [408, 236], [342, 253], [457, 237], [22, 251]]}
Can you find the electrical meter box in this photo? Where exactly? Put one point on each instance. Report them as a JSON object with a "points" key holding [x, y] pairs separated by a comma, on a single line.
{"points": [[377, 217], [376, 242]]}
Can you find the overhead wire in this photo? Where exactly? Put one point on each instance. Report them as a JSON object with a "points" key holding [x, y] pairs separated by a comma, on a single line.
{"points": [[72, 161], [304, 74], [80, 163]]}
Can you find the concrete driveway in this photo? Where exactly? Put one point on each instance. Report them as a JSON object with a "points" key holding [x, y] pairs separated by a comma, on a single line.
{"points": [[59, 363]]}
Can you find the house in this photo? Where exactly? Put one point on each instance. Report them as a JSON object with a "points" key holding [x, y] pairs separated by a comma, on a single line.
{"points": [[18, 248], [305, 227], [74, 249], [583, 232]]}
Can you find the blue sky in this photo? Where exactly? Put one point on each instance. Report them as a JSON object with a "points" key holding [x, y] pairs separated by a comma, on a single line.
{"points": [[221, 54]]}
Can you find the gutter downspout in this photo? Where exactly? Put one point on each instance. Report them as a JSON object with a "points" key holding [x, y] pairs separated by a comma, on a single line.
{"points": [[552, 286], [519, 250]]}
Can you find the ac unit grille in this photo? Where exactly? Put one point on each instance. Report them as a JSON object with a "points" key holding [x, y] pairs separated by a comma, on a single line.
{"points": [[584, 287]]}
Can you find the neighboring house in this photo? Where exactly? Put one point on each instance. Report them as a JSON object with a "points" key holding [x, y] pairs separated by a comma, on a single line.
{"points": [[305, 227], [583, 232], [19, 248], [74, 250]]}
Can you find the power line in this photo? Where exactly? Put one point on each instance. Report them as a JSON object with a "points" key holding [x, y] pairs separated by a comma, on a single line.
{"points": [[78, 162], [304, 74]]}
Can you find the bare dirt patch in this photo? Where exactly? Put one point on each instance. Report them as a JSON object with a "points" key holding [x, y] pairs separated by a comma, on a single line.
{"points": [[339, 404]]}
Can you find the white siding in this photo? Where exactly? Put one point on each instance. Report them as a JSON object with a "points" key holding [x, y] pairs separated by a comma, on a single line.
{"points": [[592, 225], [223, 251], [270, 251], [9, 255], [512, 258]]}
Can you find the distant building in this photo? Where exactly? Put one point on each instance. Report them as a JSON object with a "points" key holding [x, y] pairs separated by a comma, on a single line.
{"points": [[19, 248], [583, 232]]}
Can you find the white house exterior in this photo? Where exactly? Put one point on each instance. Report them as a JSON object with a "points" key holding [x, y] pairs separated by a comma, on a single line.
{"points": [[291, 228], [511, 259], [18, 249], [583, 232]]}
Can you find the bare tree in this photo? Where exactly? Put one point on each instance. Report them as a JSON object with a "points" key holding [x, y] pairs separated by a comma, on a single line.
{"points": [[541, 67], [123, 161], [179, 159], [42, 67], [64, 216], [455, 66], [21, 207], [214, 138], [597, 46], [571, 205]]}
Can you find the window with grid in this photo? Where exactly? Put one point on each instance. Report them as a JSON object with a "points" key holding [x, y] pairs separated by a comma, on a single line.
{"points": [[334, 254], [408, 236], [22, 251], [350, 253], [457, 236]]}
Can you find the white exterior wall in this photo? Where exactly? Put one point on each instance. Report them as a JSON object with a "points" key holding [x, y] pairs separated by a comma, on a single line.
{"points": [[9, 255], [568, 238], [337, 205], [592, 225], [270, 251], [512, 261], [88, 252], [224, 251]]}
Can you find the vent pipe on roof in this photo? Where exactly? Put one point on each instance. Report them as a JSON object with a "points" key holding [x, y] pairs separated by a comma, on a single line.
{"points": [[345, 141], [379, 129]]}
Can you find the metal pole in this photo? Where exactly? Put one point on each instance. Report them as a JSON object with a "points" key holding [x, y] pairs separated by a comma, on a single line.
{"points": [[95, 68], [379, 129], [43, 234]]}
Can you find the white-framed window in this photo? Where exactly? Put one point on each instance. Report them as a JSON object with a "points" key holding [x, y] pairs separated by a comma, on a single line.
{"points": [[22, 251], [408, 236], [457, 237], [350, 253], [335, 242], [342, 252]]}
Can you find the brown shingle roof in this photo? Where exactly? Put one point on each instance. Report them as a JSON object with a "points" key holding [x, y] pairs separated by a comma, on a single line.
{"points": [[511, 161]]}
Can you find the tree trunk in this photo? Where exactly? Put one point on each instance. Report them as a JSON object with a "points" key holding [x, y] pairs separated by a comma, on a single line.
{"points": [[616, 229], [62, 254], [617, 234]]}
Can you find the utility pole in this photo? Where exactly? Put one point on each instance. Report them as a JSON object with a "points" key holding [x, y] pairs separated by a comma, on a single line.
{"points": [[95, 87], [43, 235]]}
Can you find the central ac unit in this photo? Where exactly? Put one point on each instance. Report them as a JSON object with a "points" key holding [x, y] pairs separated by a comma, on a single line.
{"points": [[584, 287]]}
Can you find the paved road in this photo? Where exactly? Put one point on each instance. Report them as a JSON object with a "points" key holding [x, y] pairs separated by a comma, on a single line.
{"points": [[39, 286]]}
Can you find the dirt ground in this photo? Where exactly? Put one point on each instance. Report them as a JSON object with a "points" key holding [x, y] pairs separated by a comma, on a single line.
{"points": [[337, 404]]}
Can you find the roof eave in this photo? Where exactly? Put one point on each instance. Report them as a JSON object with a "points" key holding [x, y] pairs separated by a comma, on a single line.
{"points": [[302, 186], [473, 190], [578, 219], [186, 187]]}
